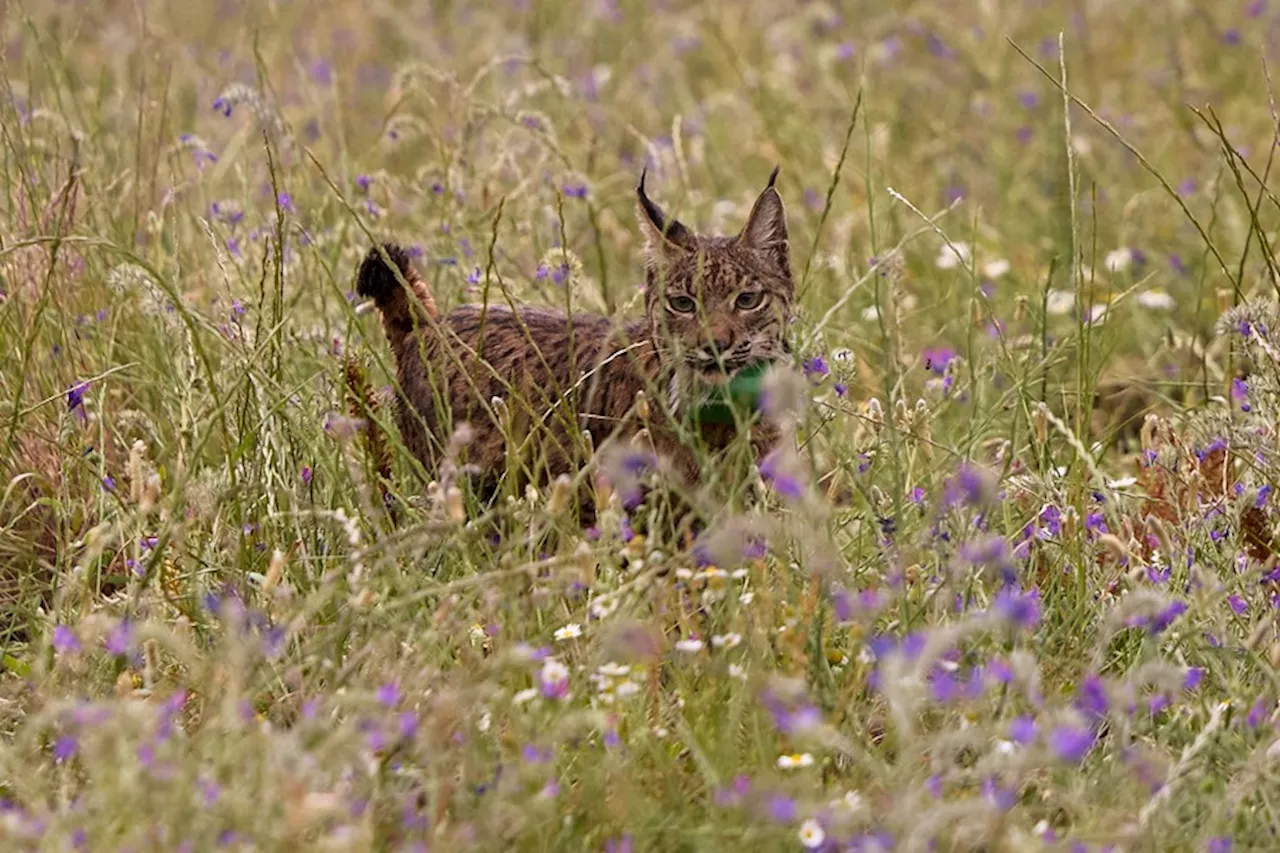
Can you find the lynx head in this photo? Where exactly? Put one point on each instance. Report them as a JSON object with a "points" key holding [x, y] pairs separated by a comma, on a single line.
{"points": [[717, 304]]}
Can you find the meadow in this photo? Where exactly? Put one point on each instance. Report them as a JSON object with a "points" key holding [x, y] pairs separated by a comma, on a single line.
{"points": [[1016, 592]]}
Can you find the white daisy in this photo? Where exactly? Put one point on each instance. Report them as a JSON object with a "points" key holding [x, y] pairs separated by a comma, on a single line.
{"points": [[1060, 301], [996, 268], [953, 255], [614, 670], [1156, 299], [526, 695], [726, 641], [1118, 260], [602, 608], [794, 760], [689, 645], [569, 632], [811, 834]]}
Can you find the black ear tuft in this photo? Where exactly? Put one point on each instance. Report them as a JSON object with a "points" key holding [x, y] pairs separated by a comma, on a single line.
{"points": [[773, 176], [661, 229]]}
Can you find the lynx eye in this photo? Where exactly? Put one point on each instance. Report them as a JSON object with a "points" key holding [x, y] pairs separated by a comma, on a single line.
{"points": [[682, 304], [749, 300]]}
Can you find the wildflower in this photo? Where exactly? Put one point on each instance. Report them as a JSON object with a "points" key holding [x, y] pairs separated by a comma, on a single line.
{"points": [[968, 486], [1091, 698], [1023, 730], [1118, 260], [816, 367], [1238, 605], [689, 645], [75, 396], [389, 694], [64, 748], [840, 388], [526, 695], [120, 640], [64, 640], [1221, 844], [995, 794], [1240, 393], [726, 641], [772, 471], [1060, 302], [569, 632], [936, 360], [306, 475], [811, 834], [1192, 679], [1156, 299], [576, 189], [1070, 743], [781, 808], [1162, 620], [794, 760], [996, 268], [554, 679], [1256, 714], [953, 254]]}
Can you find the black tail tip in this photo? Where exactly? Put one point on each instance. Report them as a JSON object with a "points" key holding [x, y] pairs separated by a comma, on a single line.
{"points": [[376, 280]]}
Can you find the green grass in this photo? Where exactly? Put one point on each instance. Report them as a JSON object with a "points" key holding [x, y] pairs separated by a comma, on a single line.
{"points": [[217, 634]]}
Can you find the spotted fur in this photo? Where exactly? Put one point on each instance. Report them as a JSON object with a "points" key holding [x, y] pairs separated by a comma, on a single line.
{"points": [[713, 305]]}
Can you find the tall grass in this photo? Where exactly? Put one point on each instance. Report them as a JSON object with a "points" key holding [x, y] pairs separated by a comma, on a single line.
{"points": [[981, 616]]}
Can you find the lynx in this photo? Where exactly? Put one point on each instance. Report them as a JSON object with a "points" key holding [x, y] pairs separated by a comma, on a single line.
{"points": [[532, 381]]}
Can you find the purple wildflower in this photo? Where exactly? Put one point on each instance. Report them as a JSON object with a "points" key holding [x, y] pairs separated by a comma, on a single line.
{"points": [[781, 809], [1022, 730], [785, 484], [1162, 620], [1238, 605], [389, 694], [1221, 844], [621, 845], [816, 367], [1091, 698], [936, 360], [1070, 743], [120, 640], [64, 748], [75, 396], [65, 640], [1020, 608], [1257, 713]]}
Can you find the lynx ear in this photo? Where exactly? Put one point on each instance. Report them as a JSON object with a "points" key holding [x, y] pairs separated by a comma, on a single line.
{"points": [[766, 228], [664, 235]]}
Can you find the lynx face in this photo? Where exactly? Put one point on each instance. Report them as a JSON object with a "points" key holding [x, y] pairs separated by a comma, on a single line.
{"points": [[718, 304]]}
